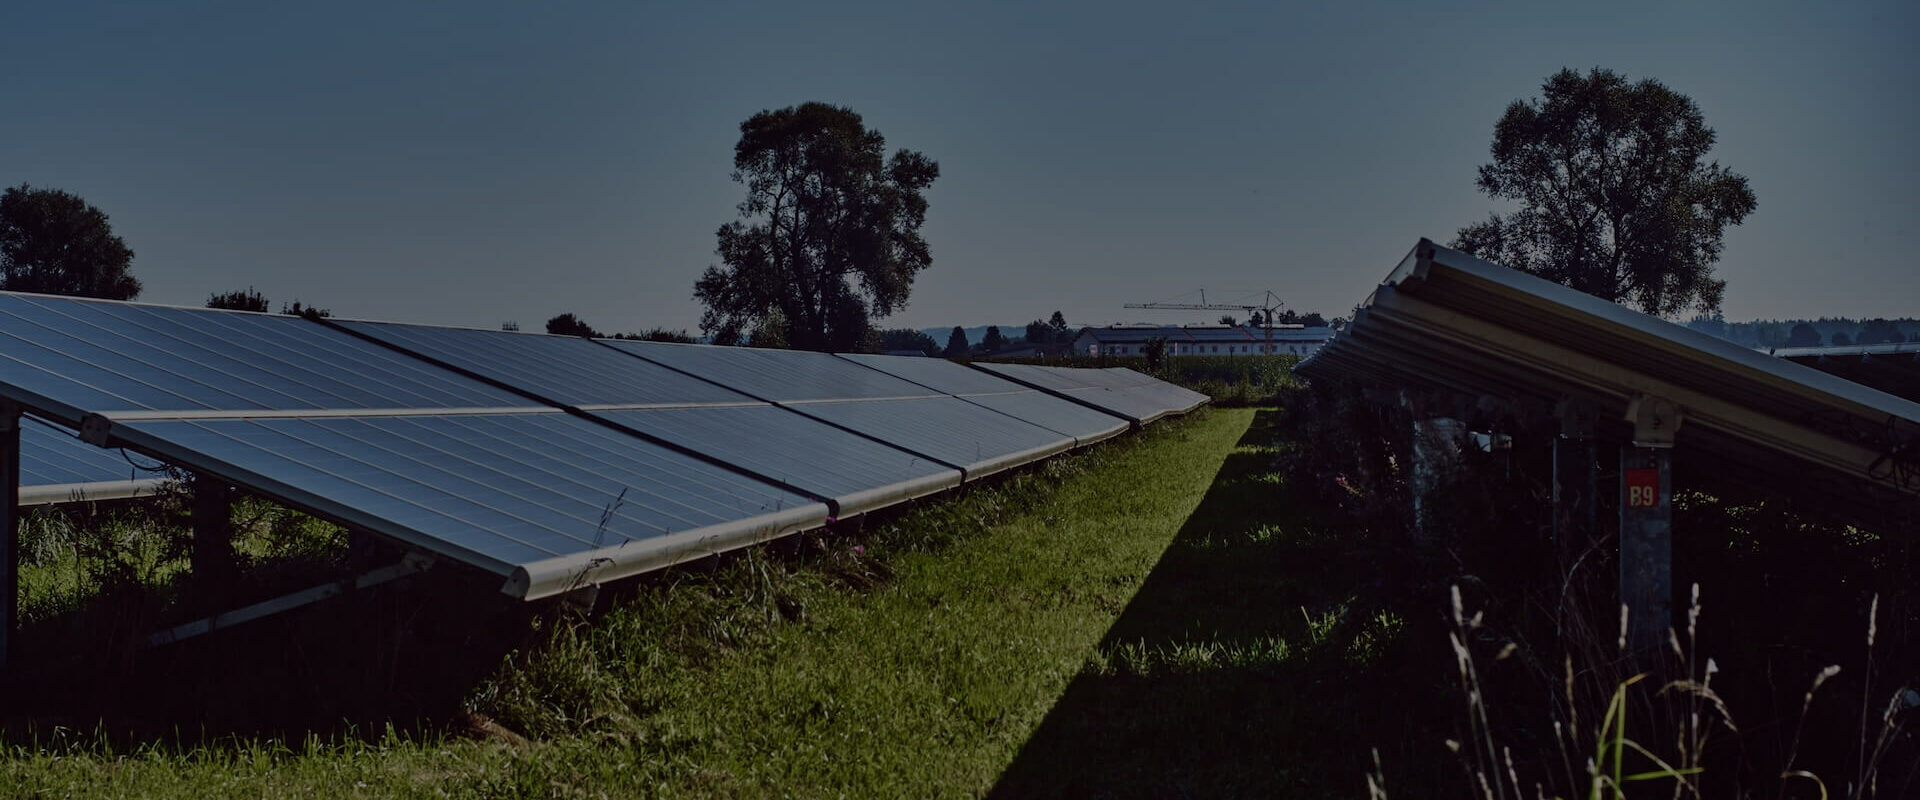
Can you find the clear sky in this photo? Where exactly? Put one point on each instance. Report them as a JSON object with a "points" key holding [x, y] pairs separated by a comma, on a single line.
{"points": [[478, 162]]}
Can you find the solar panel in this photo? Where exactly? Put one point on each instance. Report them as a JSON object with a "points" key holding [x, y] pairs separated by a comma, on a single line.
{"points": [[980, 440], [777, 375], [1178, 398], [1085, 425], [104, 356], [563, 369], [56, 467], [858, 474], [552, 461], [1084, 386], [869, 402], [937, 374], [1022, 402], [521, 495], [1445, 318]]}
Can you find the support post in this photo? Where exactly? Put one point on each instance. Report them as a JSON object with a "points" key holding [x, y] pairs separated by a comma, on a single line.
{"points": [[1436, 456], [1646, 522], [9, 526], [213, 564], [1576, 490]]}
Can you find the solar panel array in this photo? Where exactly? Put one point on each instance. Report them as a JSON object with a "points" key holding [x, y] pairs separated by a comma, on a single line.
{"points": [[1444, 320], [56, 467], [1117, 390], [551, 461]]}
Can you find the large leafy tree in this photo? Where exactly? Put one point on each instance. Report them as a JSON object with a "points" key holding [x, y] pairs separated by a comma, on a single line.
{"points": [[1615, 196], [829, 235], [53, 242]]}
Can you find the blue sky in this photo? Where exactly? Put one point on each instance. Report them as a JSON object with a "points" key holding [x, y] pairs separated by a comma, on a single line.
{"points": [[473, 163]]}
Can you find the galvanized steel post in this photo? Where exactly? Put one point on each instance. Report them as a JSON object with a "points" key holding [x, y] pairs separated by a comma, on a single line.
{"points": [[1646, 522]]}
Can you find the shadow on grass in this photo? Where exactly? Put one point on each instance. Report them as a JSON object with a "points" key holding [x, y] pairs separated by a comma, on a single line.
{"points": [[1261, 657], [403, 655]]}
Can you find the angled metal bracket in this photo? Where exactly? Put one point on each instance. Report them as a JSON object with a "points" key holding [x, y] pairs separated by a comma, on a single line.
{"points": [[1655, 421], [413, 563]]}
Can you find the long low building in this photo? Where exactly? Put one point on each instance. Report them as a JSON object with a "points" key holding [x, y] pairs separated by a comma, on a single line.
{"points": [[1201, 340]]}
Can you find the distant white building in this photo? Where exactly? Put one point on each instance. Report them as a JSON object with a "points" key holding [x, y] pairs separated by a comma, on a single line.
{"points": [[1200, 340]]}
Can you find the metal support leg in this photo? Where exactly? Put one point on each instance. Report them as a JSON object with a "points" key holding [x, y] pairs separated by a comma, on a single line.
{"points": [[9, 526], [1436, 455], [213, 563], [1575, 495], [1646, 523]]}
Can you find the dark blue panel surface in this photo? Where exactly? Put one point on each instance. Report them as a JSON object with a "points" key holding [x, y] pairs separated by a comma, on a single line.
{"points": [[778, 375], [938, 374], [1053, 413], [1087, 386], [947, 428], [999, 394], [798, 450], [564, 369], [104, 356], [51, 456], [499, 489]]}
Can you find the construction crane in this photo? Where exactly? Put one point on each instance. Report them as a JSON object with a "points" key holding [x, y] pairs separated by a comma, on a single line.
{"points": [[1269, 303]]}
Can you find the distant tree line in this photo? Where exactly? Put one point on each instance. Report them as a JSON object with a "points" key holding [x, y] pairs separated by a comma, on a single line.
{"points": [[570, 325], [1825, 331]]}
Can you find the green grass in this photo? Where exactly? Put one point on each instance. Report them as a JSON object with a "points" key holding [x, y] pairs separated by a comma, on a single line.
{"points": [[1155, 617]]}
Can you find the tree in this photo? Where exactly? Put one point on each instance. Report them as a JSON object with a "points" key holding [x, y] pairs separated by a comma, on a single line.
{"points": [[1039, 335], [1715, 325], [1840, 339], [1228, 320], [772, 333], [1879, 331], [510, 326], [829, 234], [1257, 319], [1614, 198], [901, 339], [1312, 319], [658, 334], [1155, 351], [53, 242], [956, 343], [993, 342], [1803, 335], [1057, 326], [248, 300], [569, 325]]}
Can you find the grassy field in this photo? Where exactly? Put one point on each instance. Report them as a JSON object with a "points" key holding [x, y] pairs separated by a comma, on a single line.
{"points": [[1153, 617], [1158, 617]]}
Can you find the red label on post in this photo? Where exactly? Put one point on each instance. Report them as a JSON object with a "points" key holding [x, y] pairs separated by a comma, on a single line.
{"points": [[1643, 488]]}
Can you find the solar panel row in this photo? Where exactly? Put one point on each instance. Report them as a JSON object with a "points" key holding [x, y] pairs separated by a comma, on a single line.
{"points": [[549, 460], [1118, 391]]}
